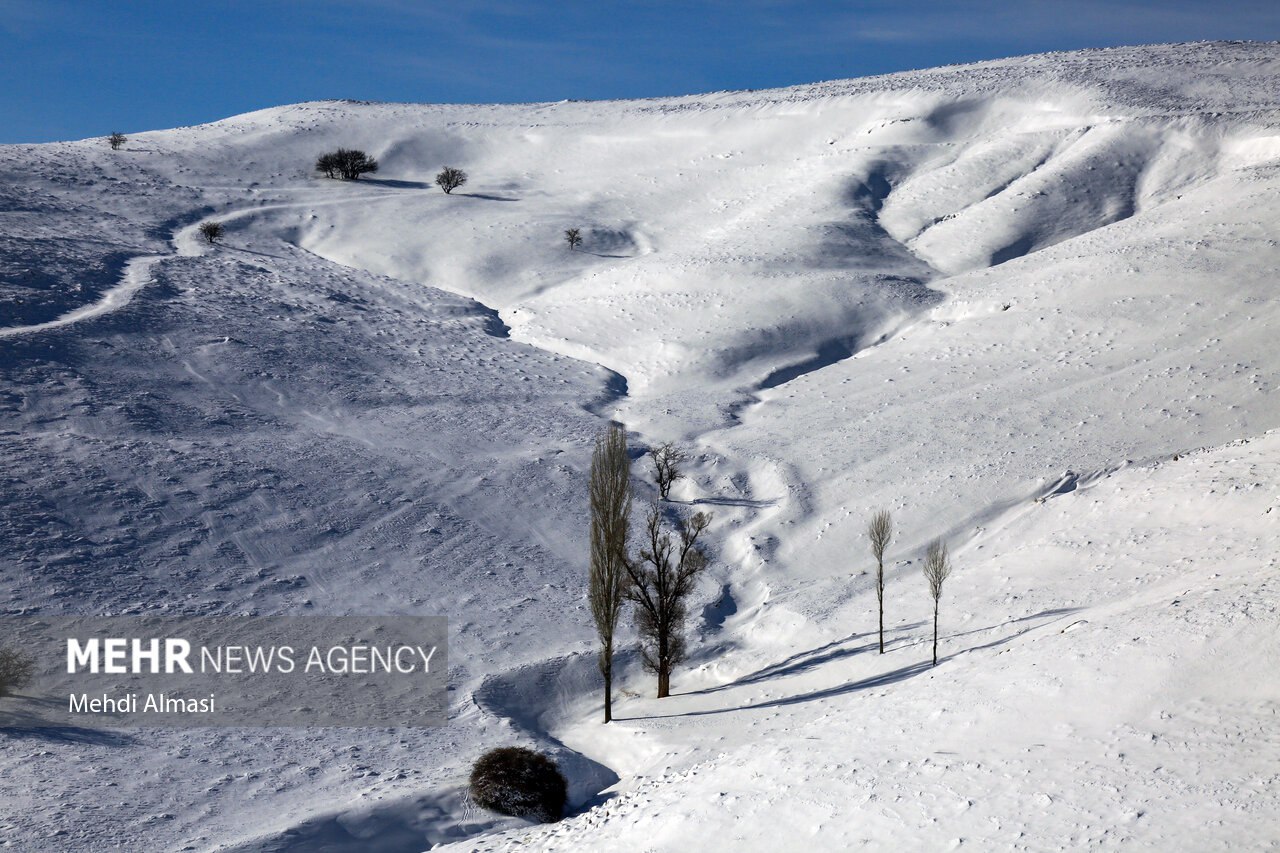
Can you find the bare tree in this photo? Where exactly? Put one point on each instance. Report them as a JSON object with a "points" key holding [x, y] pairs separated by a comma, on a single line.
{"points": [[16, 669], [117, 139], [211, 231], [610, 524], [346, 163], [328, 163], [661, 580], [937, 568], [573, 237], [880, 532], [666, 467], [450, 178]]}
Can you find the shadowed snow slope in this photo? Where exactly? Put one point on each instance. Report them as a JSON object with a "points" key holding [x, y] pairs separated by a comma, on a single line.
{"points": [[1012, 302]]}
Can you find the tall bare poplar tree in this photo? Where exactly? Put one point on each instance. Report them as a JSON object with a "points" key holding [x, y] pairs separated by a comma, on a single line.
{"points": [[880, 532], [610, 521], [661, 580], [937, 568]]}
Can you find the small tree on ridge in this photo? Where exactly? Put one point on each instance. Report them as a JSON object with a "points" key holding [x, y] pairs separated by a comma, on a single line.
{"points": [[573, 237], [117, 139]]}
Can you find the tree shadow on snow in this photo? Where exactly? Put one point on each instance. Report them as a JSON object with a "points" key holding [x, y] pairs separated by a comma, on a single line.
{"points": [[807, 660], [801, 698], [392, 183], [488, 197], [224, 246], [742, 502], [813, 658]]}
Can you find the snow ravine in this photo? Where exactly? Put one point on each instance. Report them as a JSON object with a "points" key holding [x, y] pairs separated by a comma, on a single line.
{"points": [[1027, 305]]}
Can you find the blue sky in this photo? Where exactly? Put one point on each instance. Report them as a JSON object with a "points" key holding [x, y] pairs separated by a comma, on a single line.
{"points": [[77, 68]]}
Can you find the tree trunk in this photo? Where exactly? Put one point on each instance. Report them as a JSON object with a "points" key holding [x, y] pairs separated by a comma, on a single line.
{"points": [[880, 601], [664, 661], [935, 632], [608, 692]]}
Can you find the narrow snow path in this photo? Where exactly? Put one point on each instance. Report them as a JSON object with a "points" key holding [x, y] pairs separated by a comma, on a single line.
{"points": [[186, 242], [137, 274]]}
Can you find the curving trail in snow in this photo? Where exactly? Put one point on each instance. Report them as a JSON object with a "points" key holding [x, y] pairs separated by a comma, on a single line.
{"points": [[186, 242], [137, 274]]}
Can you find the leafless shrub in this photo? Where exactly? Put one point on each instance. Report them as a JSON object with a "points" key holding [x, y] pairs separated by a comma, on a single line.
{"points": [[450, 178], [211, 231], [16, 669], [328, 163], [573, 237], [116, 140], [346, 163]]}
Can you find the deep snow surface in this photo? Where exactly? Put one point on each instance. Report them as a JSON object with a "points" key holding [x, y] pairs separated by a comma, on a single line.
{"points": [[1028, 305]]}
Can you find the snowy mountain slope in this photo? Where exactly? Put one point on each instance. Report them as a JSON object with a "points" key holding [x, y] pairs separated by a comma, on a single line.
{"points": [[949, 292], [257, 432], [1109, 680]]}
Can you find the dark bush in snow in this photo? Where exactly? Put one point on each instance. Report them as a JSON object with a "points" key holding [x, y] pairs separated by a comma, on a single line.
{"points": [[346, 163], [16, 670], [450, 178], [516, 781], [211, 231], [115, 140], [328, 163]]}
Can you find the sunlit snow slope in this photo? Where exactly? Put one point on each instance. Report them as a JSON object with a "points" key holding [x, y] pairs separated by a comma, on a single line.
{"points": [[1027, 305]]}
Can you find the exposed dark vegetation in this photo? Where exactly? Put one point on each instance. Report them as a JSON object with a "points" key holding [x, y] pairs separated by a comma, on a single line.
{"points": [[16, 670], [515, 781], [346, 163], [211, 231], [449, 178]]}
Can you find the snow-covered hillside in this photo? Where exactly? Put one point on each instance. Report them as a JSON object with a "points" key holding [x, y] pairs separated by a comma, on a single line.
{"points": [[1027, 305]]}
